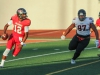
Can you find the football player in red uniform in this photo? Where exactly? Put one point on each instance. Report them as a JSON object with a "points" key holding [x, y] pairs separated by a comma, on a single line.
{"points": [[98, 26], [21, 24], [98, 21]]}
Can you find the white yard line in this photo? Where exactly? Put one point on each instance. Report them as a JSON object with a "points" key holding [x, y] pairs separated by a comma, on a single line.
{"points": [[43, 55]]}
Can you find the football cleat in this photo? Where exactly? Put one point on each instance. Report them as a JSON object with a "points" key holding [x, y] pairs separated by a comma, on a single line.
{"points": [[73, 61]]}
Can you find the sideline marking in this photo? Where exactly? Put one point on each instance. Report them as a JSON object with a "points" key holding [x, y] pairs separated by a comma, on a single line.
{"points": [[38, 56], [66, 69], [43, 55]]}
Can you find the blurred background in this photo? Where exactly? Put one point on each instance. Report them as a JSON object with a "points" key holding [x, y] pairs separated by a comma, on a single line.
{"points": [[48, 14]]}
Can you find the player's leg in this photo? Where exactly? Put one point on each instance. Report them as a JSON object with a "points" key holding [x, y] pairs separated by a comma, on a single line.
{"points": [[18, 46], [73, 43], [5, 54], [81, 46], [10, 44], [16, 50]]}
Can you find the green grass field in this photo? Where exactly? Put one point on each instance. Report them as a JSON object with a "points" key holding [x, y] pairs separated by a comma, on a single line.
{"points": [[51, 58]]}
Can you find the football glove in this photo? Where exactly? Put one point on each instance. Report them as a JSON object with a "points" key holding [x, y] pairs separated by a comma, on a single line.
{"points": [[97, 43], [63, 37]]}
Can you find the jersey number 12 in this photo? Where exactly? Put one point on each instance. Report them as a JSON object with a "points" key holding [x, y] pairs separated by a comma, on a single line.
{"points": [[17, 29]]}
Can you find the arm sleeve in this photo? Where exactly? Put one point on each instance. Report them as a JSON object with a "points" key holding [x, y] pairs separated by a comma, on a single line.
{"points": [[26, 28], [10, 22]]}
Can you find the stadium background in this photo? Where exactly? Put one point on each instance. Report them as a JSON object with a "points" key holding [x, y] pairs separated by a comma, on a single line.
{"points": [[48, 15], [49, 56]]}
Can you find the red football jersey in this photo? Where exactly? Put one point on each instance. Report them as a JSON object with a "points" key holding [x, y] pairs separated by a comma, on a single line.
{"points": [[98, 22], [19, 26]]}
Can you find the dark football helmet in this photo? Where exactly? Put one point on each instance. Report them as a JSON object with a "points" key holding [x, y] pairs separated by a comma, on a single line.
{"points": [[22, 14], [81, 14]]}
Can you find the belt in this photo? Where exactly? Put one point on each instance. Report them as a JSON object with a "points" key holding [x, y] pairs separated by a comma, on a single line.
{"points": [[81, 38]]}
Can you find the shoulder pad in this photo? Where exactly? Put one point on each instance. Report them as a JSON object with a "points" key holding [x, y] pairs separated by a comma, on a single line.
{"points": [[27, 22], [90, 18], [14, 16]]}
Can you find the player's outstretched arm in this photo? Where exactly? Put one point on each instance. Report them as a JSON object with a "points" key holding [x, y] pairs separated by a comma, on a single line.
{"points": [[67, 31], [96, 34]]}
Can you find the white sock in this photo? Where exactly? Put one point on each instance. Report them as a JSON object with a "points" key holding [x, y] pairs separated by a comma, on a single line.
{"points": [[2, 62]]}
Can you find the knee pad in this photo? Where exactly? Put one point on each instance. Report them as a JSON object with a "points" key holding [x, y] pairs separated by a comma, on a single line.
{"points": [[6, 52]]}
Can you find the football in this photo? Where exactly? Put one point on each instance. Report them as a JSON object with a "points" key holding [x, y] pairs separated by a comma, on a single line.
{"points": [[4, 36]]}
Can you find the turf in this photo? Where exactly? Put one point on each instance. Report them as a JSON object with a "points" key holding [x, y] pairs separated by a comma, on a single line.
{"points": [[51, 58]]}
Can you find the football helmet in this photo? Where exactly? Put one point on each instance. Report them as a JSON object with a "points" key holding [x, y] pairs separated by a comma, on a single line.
{"points": [[99, 15], [21, 13], [81, 14]]}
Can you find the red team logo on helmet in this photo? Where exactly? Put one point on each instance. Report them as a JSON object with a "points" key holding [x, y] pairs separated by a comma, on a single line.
{"points": [[20, 11]]}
